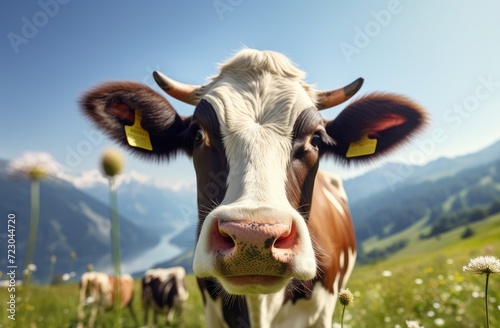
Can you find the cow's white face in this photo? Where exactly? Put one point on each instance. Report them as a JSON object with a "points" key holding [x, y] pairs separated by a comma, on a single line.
{"points": [[255, 240]]}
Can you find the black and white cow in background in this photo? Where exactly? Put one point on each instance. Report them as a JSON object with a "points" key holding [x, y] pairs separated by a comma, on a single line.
{"points": [[164, 292]]}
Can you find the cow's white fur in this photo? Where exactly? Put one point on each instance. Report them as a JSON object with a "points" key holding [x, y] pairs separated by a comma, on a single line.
{"points": [[334, 201], [257, 98]]}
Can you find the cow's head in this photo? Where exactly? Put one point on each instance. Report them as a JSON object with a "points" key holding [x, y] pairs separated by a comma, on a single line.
{"points": [[256, 137]]}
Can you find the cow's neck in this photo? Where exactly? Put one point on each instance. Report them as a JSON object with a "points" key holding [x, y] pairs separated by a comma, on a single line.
{"points": [[264, 308]]}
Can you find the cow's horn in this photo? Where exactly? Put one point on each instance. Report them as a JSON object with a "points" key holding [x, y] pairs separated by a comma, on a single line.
{"points": [[327, 99], [180, 91]]}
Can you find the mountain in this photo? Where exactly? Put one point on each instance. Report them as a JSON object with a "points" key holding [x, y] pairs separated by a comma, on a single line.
{"points": [[70, 221], [396, 176], [157, 208], [166, 210], [387, 213]]}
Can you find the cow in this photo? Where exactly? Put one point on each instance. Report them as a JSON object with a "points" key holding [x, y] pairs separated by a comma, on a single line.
{"points": [[164, 291], [275, 241], [97, 291]]}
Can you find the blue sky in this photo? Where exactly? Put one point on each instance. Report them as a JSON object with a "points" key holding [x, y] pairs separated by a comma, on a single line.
{"points": [[445, 55]]}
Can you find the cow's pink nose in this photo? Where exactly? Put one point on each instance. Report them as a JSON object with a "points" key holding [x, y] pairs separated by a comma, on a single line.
{"points": [[247, 239]]}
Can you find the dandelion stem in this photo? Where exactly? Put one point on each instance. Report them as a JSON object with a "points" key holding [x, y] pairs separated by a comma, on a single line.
{"points": [[342, 317], [115, 244], [486, 301], [30, 249], [35, 213]]}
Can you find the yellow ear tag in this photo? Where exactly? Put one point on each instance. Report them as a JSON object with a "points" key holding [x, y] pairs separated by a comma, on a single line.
{"points": [[365, 146], [136, 135]]}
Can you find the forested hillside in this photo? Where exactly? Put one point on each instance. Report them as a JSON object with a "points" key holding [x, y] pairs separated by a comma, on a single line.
{"points": [[427, 209]]}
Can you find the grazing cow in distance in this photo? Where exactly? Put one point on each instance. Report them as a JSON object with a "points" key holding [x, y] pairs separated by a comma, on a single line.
{"points": [[97, 291], [275, 241], [164, 291]]}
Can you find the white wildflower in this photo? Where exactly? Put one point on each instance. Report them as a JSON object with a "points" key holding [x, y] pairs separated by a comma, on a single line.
{"points": [[483, 265], [439, 322], [346, 297], [34, 166], [31, 267], [413, 324]]}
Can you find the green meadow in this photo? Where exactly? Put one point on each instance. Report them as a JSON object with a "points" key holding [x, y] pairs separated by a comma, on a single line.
{"points": [[423, 282]]}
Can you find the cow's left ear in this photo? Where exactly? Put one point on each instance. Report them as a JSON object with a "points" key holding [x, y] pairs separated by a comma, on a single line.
{"points": [[374, 125]]}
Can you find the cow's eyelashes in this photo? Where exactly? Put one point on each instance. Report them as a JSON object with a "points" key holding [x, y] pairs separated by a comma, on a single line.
{"points": [[198, 135]]}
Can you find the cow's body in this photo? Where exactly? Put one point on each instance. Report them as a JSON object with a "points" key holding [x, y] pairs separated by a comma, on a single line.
{"points": [[164, 291], [97, 291], [275, 241]]}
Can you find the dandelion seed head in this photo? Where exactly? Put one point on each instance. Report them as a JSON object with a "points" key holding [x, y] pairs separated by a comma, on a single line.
{"points": [[33, 166], [346, 297], [112, 162], [483, 265], [439, 321], [387, 273]]}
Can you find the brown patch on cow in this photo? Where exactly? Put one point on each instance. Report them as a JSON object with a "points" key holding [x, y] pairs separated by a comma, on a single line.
{"points": [[210, 162], [304, 160], [331, 232]]}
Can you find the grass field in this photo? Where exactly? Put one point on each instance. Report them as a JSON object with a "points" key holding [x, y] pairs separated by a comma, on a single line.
{"points": [[424, 282]]}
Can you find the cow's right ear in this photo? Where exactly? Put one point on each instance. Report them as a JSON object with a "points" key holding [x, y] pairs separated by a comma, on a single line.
{"points": [[137, 117]]}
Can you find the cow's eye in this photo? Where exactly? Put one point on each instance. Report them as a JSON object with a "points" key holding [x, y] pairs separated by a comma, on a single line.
{"points": [[316, 140], [199, 135]]}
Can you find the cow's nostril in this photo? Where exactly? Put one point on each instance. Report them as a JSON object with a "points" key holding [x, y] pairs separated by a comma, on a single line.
{"points": [[221, 240], [226, 238], [288, 240]]}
